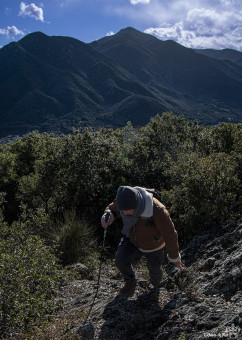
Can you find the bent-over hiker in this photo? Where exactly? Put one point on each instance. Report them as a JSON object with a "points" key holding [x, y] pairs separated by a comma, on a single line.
{"points": [[147, 229]]}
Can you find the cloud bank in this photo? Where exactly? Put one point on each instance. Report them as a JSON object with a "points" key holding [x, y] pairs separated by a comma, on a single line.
{"points": [[204, 28], [135, 2], [197, 24], [11, 31], [31, 11]]}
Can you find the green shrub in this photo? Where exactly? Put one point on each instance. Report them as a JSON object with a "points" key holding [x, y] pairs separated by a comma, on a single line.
{"points": [[205, 191], [158, 144], [84, 170], [75, 239], [29, 277]]}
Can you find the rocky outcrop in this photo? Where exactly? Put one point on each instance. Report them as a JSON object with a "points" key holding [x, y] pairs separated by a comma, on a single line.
{"points": [[203, 302]]}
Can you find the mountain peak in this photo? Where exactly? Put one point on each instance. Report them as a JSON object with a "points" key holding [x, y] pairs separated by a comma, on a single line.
{"points": [[133, 34], [129, 30], [34, 35], [128, 76]]}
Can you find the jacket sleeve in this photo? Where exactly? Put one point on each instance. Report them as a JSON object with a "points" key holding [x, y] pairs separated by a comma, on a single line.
{"points": [[114, 209], [167, 230]]}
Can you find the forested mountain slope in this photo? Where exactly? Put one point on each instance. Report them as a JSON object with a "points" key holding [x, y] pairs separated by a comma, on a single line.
{"points": [[204, 87], [56, 83], [225, 54]]}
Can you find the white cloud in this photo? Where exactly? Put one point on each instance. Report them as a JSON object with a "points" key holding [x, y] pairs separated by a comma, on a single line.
{"points": [[11, 31], [217, 25], [32, 11], [110, 33], [67, 3], [200, 36], [213, 19], [135, 2], [196, 23]]}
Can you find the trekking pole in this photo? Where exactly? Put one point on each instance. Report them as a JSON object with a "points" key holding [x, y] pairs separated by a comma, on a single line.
{"points": [[108, 213]]}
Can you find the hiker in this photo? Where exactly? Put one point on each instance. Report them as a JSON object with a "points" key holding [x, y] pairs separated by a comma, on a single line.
{"points": [[147, 229]]}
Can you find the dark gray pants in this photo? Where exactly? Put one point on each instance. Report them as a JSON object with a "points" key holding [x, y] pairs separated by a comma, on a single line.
{"points": [[127, 255]]}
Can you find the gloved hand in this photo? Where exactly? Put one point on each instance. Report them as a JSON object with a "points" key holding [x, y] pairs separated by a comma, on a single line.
{"points": [[107, 219]]}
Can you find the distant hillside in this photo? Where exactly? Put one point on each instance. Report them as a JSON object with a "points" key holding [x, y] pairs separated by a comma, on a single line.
{"points": [[197, 85], [226, 54], [57, 83]]}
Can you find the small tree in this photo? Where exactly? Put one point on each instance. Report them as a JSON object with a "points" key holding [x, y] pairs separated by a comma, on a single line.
{"points": [[29, 276], [204, 191], [158, 144]]}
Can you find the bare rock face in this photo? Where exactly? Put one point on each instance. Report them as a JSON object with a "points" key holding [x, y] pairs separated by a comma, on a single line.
{"points": [[220, 261], [81, 269], [203, 302]]}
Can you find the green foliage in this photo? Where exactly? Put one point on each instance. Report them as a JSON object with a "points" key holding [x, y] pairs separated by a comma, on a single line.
{"points": [[29, 276], [198, 169], [8, 178], [71, 179], [204, 191], [8, 173], [75, 240], [26, 151], [60, 186], [90, 168], [223, 138], [37, 188], [76, 170], [158, 145]]}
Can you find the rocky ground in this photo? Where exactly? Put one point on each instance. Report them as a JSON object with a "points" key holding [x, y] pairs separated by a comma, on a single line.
{"points": [[203, 302]]}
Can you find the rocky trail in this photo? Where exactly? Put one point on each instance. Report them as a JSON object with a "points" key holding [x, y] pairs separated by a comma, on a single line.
{"points": [[203, 302]]}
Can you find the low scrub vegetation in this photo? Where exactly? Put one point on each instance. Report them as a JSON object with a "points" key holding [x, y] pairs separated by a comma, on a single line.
{"points": [[55, 189], [29, 276]]}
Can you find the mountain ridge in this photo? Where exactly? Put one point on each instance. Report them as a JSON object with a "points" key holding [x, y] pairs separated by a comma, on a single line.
{"points": [[51, 68], [57, 83], [224, 54], [172, 57]]}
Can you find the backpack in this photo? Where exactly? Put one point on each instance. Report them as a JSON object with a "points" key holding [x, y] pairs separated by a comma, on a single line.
{"points": [[155, 193]]}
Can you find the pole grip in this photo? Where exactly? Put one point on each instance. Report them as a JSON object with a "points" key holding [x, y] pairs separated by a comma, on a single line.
{"points": [[107, 215]]}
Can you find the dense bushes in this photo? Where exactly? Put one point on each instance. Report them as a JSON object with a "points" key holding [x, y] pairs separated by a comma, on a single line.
{"points": [[29, 275], [72, 178], [197, 168], [204, 191], [77, 170]]}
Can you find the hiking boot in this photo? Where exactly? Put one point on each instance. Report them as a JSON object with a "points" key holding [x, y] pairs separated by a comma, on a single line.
{"points": [[128, 289], [156, 284]]}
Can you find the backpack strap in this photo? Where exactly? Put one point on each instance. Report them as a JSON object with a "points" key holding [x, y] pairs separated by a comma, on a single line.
{"points": [[155, 193]]}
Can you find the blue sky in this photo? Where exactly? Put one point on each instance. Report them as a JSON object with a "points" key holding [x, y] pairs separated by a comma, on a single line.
{"points": [[193, 23]]}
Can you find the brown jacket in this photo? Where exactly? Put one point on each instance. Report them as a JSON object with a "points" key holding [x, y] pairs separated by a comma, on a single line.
{"points": [[151, 233]]}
